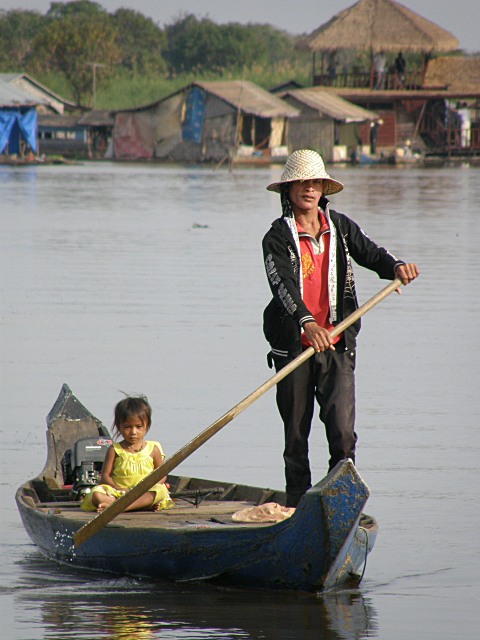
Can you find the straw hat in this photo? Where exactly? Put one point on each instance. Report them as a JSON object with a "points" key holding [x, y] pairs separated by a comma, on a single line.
{"points": [[306, 164]]}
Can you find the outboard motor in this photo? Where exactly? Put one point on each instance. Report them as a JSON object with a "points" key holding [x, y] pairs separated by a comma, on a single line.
{"points": [[82, 466]]}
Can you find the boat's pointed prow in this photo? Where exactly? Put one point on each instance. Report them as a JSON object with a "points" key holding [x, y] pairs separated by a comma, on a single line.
{"points": [[68, 406], [343, 495], [67, 422]]}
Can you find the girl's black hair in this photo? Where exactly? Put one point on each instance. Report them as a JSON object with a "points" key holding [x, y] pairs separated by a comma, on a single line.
{"points": [[132, 406]]}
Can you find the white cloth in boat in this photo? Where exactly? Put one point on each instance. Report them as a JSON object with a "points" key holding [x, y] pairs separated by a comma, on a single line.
{"points": [[268, 512]]}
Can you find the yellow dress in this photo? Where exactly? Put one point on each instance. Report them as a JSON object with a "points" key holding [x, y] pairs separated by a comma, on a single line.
{"points": [[128, 470]]}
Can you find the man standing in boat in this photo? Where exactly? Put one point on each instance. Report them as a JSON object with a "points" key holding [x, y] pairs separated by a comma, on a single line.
{"points": [[307, 255]]}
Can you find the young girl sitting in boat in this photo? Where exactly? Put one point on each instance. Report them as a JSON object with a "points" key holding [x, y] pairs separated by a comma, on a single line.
{"points": [[129, 461]]}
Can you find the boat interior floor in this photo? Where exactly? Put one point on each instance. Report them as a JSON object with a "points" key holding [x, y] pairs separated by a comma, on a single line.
{"points": [[208, 513]]}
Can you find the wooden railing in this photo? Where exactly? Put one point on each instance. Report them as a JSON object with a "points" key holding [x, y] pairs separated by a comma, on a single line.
{"points": [[412, 81], [449, 139]]}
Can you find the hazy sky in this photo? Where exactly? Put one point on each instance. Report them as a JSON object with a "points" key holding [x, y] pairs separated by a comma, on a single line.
{"points": [[460, 17]]}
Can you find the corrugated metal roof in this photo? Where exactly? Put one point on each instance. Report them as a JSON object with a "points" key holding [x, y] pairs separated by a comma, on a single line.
{"points": [[33, 87], [249, 98], [359, 95], [57, 120], [8, 77], [241, 94], [332, 105], [97, 118], [11, 96]]}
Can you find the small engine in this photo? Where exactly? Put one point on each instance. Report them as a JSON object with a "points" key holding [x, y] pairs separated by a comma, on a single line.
{"points": [[82, 466]]}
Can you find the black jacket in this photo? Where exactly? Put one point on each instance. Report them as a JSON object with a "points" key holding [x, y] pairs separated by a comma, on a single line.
{"points": [[286, 313]]}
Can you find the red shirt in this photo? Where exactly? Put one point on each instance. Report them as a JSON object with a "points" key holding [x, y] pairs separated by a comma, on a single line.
{"points": [[315, 262]]}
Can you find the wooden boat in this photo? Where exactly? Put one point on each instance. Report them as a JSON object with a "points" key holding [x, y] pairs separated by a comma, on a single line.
{"points": [[324, 543]]}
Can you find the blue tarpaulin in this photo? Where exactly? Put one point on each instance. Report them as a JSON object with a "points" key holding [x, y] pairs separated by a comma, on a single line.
{"points": [[15, 124], [194, 115]]}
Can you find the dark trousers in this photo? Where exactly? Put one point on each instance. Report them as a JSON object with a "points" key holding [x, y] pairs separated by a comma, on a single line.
{"points": [[329, 378]]}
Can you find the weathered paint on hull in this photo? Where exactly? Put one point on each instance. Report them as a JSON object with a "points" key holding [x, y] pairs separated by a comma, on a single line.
{"points": [[316, 549]]}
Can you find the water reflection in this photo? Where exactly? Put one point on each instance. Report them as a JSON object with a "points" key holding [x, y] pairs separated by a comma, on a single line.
{"points": [[80, 605]]}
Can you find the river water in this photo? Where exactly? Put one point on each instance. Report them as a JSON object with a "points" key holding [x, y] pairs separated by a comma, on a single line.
{"points": [[141, 278]]}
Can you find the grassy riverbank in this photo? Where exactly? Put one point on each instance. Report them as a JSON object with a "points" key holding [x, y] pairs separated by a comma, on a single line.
{"points": [[126, 90]]}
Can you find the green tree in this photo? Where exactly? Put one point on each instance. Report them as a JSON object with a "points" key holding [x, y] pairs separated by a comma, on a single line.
{"points": [[241, 48], [17, 30], [140, 41], [276, 46], [72, 45], [59, 10], [77, 41], [201, 45], [194, 45]]}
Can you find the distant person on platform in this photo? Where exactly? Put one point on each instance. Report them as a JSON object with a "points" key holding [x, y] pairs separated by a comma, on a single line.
{"points": [[400, 67], [465, 124], [379, 63], [308, 255], [332, 71], [374, 127]]}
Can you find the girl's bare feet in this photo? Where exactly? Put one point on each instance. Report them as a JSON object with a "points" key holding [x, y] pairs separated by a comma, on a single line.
{"points": [[103, 505], [102, 501]]}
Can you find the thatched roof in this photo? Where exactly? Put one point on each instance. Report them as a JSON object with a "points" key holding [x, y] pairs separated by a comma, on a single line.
{"points": [[331, 105], [379, 25], [249, 98], [455, 73]]}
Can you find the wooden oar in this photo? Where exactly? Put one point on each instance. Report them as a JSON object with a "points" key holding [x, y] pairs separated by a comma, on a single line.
{"points": [[104, 517]]}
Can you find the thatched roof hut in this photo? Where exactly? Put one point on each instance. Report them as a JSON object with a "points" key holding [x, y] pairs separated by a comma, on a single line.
{"points": [[456, 74], [379, 25]]}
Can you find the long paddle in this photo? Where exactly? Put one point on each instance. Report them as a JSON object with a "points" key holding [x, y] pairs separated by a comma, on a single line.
{"points": [[104, 517]]}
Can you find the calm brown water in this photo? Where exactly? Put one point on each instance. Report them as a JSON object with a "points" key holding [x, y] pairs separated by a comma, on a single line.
{"points": [[150, 279]]}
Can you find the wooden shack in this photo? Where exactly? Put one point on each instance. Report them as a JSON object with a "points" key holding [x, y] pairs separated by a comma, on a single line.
{"points": [[206, 122], [327, 123]]}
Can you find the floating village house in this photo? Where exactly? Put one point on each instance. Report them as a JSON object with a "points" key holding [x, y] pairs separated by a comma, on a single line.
{"points": [[76, 135], [451, 116], [423, 106], [50, 129], [327, 123], [441, 117], [18, 121], [234, 121], [60, 126]]}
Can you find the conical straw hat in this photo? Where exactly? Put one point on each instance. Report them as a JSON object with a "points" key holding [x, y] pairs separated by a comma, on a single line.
{"points": [[306, 164]]}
